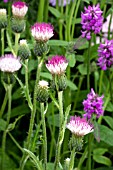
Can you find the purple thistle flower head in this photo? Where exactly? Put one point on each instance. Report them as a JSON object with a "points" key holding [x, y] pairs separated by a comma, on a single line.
{"points": [[93, 105], [79, 126], [42, 32], [9, 63], [57, 65], [105, 52], [19, 9], [91, 21]]}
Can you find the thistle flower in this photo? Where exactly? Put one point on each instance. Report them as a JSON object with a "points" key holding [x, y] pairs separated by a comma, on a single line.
{"points": [[42, 32], [3, 18], [9, 64], [93, 105], [57, 65], [79, 126], [105, 52], [19, 9], [91, 21], [65, 2]]}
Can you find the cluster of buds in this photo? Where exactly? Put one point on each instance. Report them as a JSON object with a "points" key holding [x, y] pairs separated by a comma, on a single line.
{"points": [[41, 32], [19, 10], [57, 66], [3, 18]]}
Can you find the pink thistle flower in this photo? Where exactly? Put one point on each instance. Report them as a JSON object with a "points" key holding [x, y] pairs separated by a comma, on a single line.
{"points": [[10, 64], [57, 65], [42, 32], [79, 126], [19, 9]]}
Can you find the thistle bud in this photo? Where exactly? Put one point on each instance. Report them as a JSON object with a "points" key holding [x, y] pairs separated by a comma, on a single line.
{"points": [[42, 91], [17, 25], [24, 51], [62, 82], [41, 48], [3, 18]]}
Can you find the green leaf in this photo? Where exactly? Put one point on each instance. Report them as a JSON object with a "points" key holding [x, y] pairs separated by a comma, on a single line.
{"points": [[46, 75], [32, 65], [102, 159], [17, 94], [58, 43], [53, 120], [55, 12], [104, 168], [35, 159], [79, 58], [99, 151], [109, 121], [109, 107], [106, 135], [82, 69], [2, 125], [71, 59], [20, 110], [71, 85]]}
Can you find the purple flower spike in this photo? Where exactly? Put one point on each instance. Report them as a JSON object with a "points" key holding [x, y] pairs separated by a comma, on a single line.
{"points": [[91, 21], [93, 105], [65, 2], [5, 1], [105, 52]]}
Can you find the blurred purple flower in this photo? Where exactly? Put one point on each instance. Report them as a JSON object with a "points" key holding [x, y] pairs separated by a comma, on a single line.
{"points": [[65, 2], [5, 1], [91, 21], [105, 52], [93, 105]]}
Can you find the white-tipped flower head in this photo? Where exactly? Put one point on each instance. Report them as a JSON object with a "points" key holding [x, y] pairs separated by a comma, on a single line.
{"points": [[42, 32], [24, 51], [42, 91], [3, 18], [9, 64], [79, 126], [57, 65], [19, 9]]}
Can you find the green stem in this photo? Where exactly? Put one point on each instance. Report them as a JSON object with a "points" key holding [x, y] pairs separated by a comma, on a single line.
{"points": [[89, 152], [81, 160], [9, 90], [71, 165], [100, 82], [40, 62], [2, 40], [40, 11], [70, 20], [3, 105], [13, 139], [75, 15], [27, 86], [59, 142], [110, 86], [109, 32], [46, 11], [44, 135], [17, 36], [88, 67]]}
